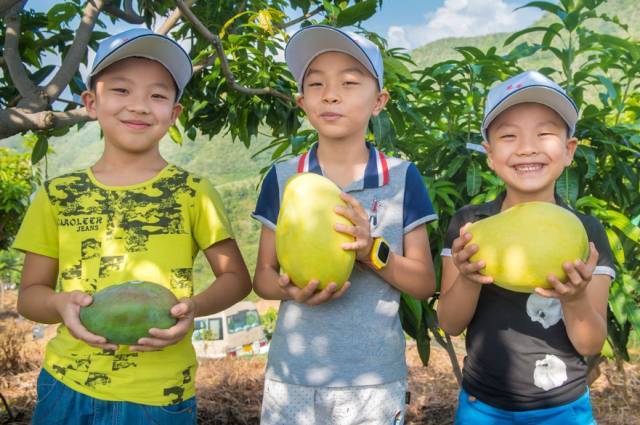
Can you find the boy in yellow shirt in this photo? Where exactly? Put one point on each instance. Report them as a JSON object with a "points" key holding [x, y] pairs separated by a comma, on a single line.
{"points": [[131, 216]]}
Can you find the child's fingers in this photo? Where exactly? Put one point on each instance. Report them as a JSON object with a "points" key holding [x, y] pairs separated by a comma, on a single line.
{"points": [[302, 295], [348, 213], [323, 295], [81, 298], [466, 253], [559, 287], [284, 280], [592, 261], [585, 271], [547, 293], [353, 202], [344, 228], [572, 274], [340, 292], [354, 246]]}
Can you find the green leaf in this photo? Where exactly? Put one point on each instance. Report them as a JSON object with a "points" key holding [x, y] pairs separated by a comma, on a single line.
{"points": [[381, 127], [624, 224], [518, 34], [175, 134], [39, 149], [357, 13], [616, 246], [41, 74], [567, 185], [546, 6], [474, 179]]}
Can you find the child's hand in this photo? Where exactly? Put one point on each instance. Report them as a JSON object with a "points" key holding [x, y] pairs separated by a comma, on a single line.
{"points": [[579, 275], [184, 311], [360, 230], [461, 252], [308, 294], [68, 306]]}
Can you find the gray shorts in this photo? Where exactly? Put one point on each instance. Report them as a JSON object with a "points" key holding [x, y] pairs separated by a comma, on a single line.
{"points": [[289, 404]]}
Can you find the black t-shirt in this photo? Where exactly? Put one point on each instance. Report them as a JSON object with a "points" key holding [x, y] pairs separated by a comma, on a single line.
{"points": [[519, 356]]}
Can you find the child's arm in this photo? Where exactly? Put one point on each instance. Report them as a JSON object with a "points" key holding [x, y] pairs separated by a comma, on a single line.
{"points": [[38, 301], [411, 273], [460, 285], [584, 299], [232, 284], [270, 285]]}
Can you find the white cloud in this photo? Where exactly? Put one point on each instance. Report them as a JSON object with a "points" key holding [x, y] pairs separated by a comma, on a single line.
{"points": [[463, 18], [396, 37]]}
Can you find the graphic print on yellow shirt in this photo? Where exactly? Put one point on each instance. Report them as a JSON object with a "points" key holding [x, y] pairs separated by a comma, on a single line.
{"points": [[105, 235]]}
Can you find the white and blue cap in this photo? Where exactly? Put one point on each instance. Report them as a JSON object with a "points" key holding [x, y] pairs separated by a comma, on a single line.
{"points": [[142, 42], [529, 86], [309, 42]]}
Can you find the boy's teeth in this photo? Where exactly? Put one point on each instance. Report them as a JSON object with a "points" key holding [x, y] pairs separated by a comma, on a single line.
{"points": [[528, 167]]}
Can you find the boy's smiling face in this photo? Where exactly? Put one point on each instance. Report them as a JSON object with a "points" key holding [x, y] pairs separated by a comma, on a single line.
{"points": [[528, 149], [134, 102], [339, 96]]}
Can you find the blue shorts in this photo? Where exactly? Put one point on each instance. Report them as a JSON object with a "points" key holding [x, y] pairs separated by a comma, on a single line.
{"points": [[60, 405], [472, 411]]}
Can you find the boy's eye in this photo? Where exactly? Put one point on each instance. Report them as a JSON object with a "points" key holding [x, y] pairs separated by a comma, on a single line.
{"points": [[158, 96], [314, 84], [119, 90], [508, 136], [351, 83]]}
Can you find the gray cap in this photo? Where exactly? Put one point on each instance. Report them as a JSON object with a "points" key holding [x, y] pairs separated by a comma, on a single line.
{"points": [[529, 86], [309, 42], [141, 42]]}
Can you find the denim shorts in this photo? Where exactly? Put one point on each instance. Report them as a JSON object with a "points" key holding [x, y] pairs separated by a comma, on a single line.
{"points": [[472, 411], [60, 405]]}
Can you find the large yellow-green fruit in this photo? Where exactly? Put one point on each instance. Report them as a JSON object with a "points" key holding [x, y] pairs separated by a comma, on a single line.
{"points": [[522, 245], [307, 244]]}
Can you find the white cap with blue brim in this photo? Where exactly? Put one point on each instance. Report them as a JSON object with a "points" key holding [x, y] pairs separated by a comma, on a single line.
{"points": [[529, 86], [309, 42], [142, 42]]}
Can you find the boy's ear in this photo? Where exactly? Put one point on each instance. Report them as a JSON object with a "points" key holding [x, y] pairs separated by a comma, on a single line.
{"points": [[572, 145], [381, 102], [487, 148], [177, 109], [89, 99], [300, 100]]}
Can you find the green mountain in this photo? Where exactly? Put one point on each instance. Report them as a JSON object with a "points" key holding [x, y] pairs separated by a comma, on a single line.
{"points": [[440, 50]]}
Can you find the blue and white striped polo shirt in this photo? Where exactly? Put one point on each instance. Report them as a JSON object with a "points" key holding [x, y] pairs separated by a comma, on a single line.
{"points": [[357, 339]]}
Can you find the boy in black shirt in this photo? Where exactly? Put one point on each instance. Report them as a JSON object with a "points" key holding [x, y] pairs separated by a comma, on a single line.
{"points": [[525, 352]]}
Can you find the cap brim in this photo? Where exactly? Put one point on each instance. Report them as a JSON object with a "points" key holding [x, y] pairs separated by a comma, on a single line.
{"points": [[305, 45], [544, 95], [156, 47]]}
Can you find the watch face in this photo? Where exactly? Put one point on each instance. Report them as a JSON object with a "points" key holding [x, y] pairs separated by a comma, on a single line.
{"points": [[383, 252]]}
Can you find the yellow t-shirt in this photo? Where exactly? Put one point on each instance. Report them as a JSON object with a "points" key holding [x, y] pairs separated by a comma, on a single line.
{"points": [[105, 235]]}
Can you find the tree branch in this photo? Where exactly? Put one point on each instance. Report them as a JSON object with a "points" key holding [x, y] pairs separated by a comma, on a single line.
{"points": [[224, 64], [172, 20], [17, 71], [301, 18], [6, 5], [76, 52], [18, 120], [128, 14]]}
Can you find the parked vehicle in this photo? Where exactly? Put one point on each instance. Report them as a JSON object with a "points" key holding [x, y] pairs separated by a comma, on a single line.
{"points": [[236, 331]]}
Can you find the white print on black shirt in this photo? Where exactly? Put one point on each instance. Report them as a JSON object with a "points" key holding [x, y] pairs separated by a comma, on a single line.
{"points": [[546, 311], [551, 372]]}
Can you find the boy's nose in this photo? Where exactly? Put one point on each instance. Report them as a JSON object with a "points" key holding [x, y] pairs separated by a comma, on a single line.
{"points": [[330, 95], [138, 105], [528, 146]]}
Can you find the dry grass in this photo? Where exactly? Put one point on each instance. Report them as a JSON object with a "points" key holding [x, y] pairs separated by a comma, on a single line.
{"points": [[230, 390]]}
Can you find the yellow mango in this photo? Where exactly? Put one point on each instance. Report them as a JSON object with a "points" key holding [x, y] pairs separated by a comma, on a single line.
{"points": [[307, 245], [522, 245]]}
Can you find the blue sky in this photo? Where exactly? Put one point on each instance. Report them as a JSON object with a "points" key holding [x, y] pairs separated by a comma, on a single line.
{"points": [[413, 23]]}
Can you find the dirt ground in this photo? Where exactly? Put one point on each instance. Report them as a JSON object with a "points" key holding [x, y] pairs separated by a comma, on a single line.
{"points": [[229, 391]]}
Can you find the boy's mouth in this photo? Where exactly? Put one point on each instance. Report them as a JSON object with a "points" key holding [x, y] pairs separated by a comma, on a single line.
{"points": [[528, 168], [135, 124], [330, 116]]}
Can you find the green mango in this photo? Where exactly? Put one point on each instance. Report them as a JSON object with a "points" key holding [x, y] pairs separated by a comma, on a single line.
{"points": [[307, 245], [124, 313], [522, 245]]}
